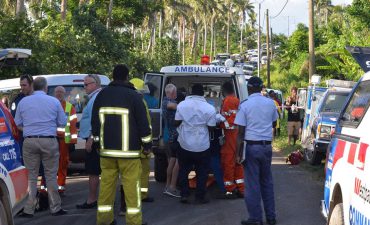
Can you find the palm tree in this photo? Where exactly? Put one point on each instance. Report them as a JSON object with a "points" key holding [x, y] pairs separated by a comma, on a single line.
{"points": [[20, 8], [63, 9], [109, 16]]}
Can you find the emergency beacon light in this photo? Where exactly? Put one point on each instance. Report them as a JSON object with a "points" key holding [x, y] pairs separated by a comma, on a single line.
{"points": [[205, 60]]}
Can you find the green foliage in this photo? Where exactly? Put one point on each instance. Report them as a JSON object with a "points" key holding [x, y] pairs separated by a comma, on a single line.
{"points": [[166, 53]]}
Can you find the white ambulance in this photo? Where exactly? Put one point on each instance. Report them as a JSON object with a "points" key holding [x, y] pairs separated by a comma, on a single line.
{"points": [[347, 185], [75, 94], [183, 77]]}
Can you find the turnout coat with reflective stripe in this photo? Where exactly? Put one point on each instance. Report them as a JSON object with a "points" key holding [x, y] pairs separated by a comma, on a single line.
{"points": [[119, 121]]}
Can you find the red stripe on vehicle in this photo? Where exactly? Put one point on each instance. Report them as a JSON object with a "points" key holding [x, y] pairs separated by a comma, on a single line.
{"points": [[362, 155], [339, 151], [20, 183], [352, 153]]}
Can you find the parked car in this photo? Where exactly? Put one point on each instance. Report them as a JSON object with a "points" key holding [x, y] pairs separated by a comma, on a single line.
{"points": [[222, 57], [322, 123], [347, 182], [183, 77], [13, 175], [248, 69], [264, 60]]}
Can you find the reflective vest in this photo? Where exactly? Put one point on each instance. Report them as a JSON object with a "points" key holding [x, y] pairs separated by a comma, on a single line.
{"points": [[69, 131], [124, 152], [229, 109]]}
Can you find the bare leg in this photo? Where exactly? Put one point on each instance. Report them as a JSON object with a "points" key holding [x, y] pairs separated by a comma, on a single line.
{"points": [[175, 172], [170, 167], [93, 188]]}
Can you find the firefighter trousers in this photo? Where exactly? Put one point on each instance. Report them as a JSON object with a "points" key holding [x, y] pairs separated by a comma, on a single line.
{"points": [[145, 170], [233, 172], [130, 172], [63, 163]]}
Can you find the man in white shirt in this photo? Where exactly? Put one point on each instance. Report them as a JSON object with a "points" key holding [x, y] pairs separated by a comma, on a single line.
{"points": [[195, 117]]}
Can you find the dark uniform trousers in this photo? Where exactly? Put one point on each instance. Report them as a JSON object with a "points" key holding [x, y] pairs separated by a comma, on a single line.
{"points": [[257, 170], [189, 160]]}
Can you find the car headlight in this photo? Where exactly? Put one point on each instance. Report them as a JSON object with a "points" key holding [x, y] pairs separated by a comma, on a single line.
{"points": [[324, 131]]}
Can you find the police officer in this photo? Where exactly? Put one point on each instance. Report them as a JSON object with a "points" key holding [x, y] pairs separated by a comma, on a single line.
{"points": [[120, 126], [255, 118]]}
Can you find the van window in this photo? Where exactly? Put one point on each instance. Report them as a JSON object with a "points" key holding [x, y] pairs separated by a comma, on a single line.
{"points": [[358, 105], [154, 83], [334, 102], [76, 95]]}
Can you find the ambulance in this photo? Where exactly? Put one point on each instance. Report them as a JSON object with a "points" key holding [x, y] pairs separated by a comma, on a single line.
{"points": [[75, 94], [347, 184], [183, 77], [13, 175]]}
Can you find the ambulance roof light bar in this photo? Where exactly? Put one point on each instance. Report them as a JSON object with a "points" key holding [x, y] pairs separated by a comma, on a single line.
{"points": [[332, 83]]}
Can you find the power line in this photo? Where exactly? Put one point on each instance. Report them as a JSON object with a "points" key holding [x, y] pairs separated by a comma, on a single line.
{"points": [[280, 10]]}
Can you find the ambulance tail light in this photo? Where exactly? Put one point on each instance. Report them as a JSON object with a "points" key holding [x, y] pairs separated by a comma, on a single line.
{"points": [[205, 60]]}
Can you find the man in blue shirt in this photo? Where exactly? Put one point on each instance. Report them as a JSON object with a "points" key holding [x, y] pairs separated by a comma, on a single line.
{"points": [[255, 118], [38, 116], [92, 86]]}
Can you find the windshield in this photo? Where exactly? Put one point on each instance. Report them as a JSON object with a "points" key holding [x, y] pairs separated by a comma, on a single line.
{"points": [[334, 102], [76, 95]]}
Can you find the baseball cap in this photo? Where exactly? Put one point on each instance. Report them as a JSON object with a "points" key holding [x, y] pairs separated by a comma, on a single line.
{"points": [[255, 82]]}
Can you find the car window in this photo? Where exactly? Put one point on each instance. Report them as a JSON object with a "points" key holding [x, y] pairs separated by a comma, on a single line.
{"points": [[76, 95], [334, 102], [357, 105]]}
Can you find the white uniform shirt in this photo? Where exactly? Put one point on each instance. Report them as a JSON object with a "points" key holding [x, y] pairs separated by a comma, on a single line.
{"points": [[196, 115], [257, 115]]}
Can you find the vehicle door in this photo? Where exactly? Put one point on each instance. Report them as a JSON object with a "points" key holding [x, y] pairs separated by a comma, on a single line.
{"points": [[350, 155], [154, 81]]}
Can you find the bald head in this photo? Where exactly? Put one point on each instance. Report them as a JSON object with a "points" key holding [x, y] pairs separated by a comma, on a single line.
{"points": [[59, 93]]}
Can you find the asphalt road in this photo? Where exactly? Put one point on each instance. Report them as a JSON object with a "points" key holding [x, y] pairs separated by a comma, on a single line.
{"points": [[297, 192]]}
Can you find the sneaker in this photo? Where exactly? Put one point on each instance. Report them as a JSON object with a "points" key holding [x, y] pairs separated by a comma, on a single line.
{"points": [[251, 222], [165, 190], [25, 215], [174, 193], [271, 221], [61, 212], [86, 205]]}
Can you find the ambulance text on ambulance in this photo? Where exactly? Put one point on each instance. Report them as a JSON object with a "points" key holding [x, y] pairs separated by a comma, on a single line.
{"points": [[357, 218], [200, 69]]}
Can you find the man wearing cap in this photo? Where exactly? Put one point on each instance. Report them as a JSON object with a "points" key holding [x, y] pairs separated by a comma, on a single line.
{"points": [[122, 132], [255, 118]]}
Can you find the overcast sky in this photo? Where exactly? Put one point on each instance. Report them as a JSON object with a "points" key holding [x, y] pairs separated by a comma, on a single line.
{"points": [[295, 10]]}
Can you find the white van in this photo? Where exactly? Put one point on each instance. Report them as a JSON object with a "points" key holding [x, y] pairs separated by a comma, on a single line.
{"points": [[183, 77], [75, 94], [347, 185]]}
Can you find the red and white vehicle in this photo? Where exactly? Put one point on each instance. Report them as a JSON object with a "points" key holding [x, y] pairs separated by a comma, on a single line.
{"points": [[347, 185], [13, 175]]}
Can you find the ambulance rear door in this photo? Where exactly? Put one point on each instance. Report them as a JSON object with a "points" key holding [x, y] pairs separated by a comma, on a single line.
{"points": [[154, 81]]}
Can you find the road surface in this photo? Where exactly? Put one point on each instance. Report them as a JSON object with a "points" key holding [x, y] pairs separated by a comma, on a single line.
{"points": [[297, 193]]}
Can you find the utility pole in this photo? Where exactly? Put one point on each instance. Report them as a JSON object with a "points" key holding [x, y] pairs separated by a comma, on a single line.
{"points": [[259, 39], [268, 47], [271, 42], [311, 44]]}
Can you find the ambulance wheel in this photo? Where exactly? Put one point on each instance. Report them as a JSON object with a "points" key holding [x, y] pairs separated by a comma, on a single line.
{"points": [[311, 155], [160, 167], [337, 216], [3, 216]]}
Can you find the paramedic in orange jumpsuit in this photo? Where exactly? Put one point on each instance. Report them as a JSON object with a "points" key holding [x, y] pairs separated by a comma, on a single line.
{"points": [[233, 172], [66, 136]]}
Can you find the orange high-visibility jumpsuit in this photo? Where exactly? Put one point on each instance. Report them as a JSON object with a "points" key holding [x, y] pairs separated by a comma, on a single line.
{"points": [[66, 136], [233, 172]]}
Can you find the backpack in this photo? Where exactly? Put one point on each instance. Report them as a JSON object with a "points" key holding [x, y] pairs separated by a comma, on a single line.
{"points": [[294, 158], [42, 201]]}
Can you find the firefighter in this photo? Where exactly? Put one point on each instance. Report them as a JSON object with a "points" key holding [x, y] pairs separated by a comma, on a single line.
{"points": [[120, 127], [233, 172], [67, 136], [145, 158]]}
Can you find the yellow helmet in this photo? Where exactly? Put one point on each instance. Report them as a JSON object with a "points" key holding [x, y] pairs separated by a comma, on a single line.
{"points": [[140, 85]]}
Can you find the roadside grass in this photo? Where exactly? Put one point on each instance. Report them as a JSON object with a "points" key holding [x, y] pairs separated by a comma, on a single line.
{"points": [[280, 144]]}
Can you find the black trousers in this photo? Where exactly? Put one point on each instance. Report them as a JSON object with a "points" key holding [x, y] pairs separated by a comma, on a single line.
{"points": [[200, 161]]}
